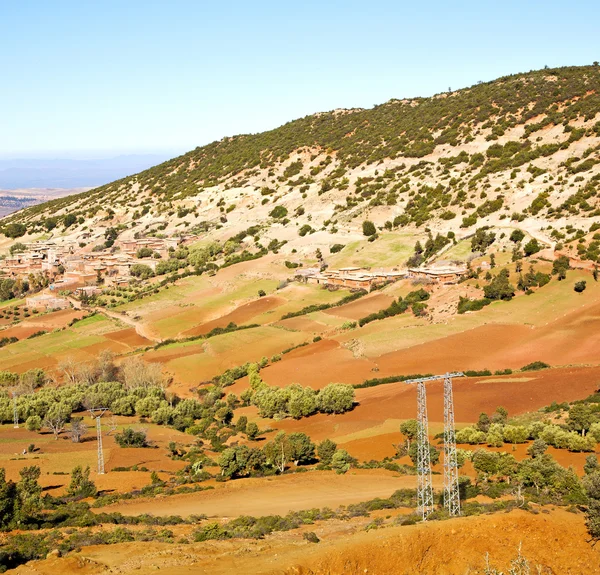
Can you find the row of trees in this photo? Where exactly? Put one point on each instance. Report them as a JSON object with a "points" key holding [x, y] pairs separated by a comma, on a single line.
{"points": [[297, 401], [580, 432], [296, 448]]}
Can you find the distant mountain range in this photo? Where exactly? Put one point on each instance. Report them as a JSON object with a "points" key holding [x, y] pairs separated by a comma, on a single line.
{"points": [[66, 173]]}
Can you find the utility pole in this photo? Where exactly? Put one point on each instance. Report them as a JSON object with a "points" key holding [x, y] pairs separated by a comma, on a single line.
{"points": [[424, 485], [97, 413]]}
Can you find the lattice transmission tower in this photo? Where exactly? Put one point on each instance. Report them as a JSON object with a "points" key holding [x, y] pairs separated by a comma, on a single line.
{"points": [[15, 411], [451, 492], [97, 413], [424, 486]]}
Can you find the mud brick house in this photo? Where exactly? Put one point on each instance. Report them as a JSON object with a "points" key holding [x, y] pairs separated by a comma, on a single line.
{"points": [[442, 275], [352, 278], [47, 302]]}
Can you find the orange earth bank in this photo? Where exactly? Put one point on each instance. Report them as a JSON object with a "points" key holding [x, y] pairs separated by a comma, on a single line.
{"points": [[553, 541]]}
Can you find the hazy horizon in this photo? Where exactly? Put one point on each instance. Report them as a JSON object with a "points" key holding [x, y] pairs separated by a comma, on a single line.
{"points": [[245, 68]]}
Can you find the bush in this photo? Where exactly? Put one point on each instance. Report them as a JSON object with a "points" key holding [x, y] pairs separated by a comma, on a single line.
{"points": [[335, 398], [33, 423], [516, 236], [305, 229], [335, 248], [465, 304], [368, 228], [131, 438], [532, 247], [535, 366], [499, 288], [141, 271], [580, 286], [341, 461], [278, 212]]}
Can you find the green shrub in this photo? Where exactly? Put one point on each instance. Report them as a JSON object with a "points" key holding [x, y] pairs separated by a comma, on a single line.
{"points": [[131, 438]]}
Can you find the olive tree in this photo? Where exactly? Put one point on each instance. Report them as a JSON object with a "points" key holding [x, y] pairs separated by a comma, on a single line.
{"points": [[335, 398]]}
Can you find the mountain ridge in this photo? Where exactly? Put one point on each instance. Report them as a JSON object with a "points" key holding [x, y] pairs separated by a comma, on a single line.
{"points": [[523, 148]]}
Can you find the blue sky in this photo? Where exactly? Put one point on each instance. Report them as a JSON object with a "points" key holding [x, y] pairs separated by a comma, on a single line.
{"points": [[83, 78]]}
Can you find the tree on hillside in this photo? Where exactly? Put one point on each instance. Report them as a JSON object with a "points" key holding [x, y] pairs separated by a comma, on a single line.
{"points": [[342, 461], [252, 431], [141, 271], [131, 438], [516, 236], [409, 429], [335, 398], [500, 288], [434, 454], [8, 496], [56, 418], [234, 461], [326, 450], [17, 248], [560, 266], [532, 247], [138, 373], [29, 494], [14, 230], [482, 239], [78, 429], [580, 418], [81, 485], [592, 516], [591, 465], [368, 228]]}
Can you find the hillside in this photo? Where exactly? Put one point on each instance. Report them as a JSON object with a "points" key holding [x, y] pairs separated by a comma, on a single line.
{"points": [[250, 316], [523, 148]]}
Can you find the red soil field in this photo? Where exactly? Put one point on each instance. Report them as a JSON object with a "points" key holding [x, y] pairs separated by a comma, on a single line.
{"points": [[572, 339], [362, 307], [20, 331], [277, 495], [397, 401], [239, 315], [318, 365], [128, 337], [46, 322]]}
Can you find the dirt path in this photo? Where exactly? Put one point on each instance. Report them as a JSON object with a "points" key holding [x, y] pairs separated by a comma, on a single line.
{"points": [[275, 495]]}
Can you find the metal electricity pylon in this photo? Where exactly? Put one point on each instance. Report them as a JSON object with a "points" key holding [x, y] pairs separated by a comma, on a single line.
{"points": [[15, 411], [97, 413], [451, 492], [424, 486]]}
